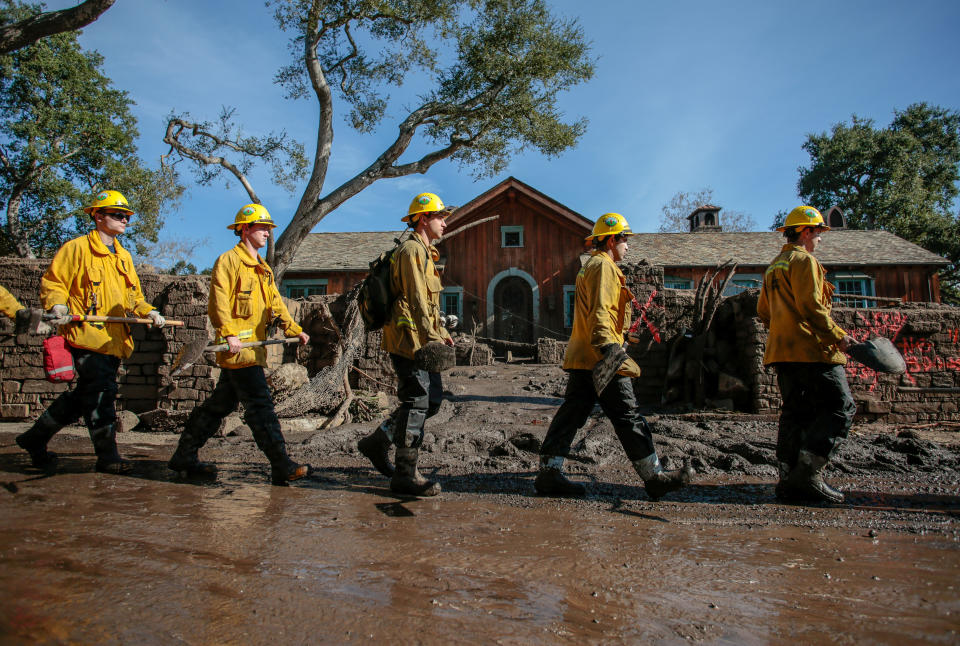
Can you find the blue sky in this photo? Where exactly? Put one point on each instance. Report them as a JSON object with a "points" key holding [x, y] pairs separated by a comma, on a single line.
{"points": [[687, 94]]}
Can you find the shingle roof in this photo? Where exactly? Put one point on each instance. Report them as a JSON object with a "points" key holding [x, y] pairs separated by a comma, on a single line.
{"points": [[760, 247], [341, 251]]}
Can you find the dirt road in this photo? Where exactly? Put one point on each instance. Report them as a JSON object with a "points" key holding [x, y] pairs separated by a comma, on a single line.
{"points": [[91, 558]]}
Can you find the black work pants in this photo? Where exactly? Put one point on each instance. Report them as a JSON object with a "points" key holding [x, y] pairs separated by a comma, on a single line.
{"points": [[249, 386], [420, 394], [94, 396], [618, 403], [817, 409]]}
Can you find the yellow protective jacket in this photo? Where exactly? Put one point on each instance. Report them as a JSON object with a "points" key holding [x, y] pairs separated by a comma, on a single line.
{"points": [[9, 304], [88, 279], [415, 316], [243, 301], [794, 305], [601, 315]]}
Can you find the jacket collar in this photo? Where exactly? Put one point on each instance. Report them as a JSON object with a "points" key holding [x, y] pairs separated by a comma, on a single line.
{"points": [[97, 246], [606, 258], [244, 254], [431, 250]]}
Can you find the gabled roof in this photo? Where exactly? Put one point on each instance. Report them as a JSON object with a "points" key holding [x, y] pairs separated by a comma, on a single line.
{"points": [[759, 248], [341, 251], [526, 190]]}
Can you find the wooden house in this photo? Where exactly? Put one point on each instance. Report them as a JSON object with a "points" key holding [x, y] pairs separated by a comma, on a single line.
{"points": [[513, 276]]}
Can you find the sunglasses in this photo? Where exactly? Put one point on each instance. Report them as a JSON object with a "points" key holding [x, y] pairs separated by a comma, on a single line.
{"points": [[117, 215]]}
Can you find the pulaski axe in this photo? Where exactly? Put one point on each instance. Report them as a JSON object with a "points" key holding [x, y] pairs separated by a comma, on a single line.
{"points": [[192, 351]]}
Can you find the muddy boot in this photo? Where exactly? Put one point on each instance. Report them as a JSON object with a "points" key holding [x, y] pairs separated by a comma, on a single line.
{"points": [[551, 481], [376, 448], [105, 445], [34, 441], [287, 471], [188, 465], [407, 478], [784, 490], [658, 482], [806, 480]]}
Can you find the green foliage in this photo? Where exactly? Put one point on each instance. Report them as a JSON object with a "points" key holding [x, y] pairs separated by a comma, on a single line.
{"points": [[903, 179], [492, 70], [66, 133], [682, 204]]}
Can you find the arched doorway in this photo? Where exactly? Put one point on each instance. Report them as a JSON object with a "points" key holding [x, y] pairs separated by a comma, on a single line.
{"points": [[513, 310]]}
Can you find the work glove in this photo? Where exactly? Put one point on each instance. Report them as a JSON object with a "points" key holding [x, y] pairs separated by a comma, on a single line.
{"points": [[60, 314], [158, 320]]}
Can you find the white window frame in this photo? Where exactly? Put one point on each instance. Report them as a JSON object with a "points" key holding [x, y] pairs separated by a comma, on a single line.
{"points": [[452, 291], [511, 229], [304, 283], [569, 304], [867, 282], [688, 282]]}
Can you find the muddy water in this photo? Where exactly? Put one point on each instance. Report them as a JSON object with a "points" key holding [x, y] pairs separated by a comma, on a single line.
{"points": [[88, 558]]}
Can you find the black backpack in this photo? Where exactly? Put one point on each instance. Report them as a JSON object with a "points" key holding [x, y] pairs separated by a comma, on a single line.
{"points": [[375, 297]]}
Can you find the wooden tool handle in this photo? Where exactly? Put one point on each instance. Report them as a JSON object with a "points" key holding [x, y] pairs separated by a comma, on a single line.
{"points": [[223, 347], [80, 318]]}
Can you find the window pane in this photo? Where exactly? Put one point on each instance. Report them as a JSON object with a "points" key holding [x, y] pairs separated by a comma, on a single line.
{"points": [[511, 239]]}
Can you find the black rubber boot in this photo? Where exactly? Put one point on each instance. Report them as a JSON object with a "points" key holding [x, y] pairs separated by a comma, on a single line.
{"points": [[407, 479], [658, 482], [551, 482], [34, 441], [805, 481], [186, 463], [269, 438], [376, 448], [108, 458]]}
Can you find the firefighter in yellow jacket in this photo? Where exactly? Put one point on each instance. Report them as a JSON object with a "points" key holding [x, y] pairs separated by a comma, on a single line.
{"points": [[600, 320], [9, 304], [414, 321], [92, 275], [243, 301], [807, 349]]}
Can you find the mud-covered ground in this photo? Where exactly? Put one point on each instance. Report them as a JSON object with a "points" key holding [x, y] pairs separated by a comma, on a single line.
{"points": [[91, 558]]}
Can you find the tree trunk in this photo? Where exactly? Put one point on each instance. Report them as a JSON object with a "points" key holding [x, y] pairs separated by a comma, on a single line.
{"points": [[14, 230], [23, 33]]}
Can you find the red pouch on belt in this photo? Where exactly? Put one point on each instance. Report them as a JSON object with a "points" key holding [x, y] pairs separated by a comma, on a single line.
{"points": [[57, 360]]}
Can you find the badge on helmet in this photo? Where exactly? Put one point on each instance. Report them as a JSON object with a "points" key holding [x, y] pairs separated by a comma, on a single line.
{"points": [[252, 214], [109, 200], [610, 224]]}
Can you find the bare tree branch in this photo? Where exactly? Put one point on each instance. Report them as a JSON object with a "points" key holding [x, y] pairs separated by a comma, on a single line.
{"points": [[20, 34]]}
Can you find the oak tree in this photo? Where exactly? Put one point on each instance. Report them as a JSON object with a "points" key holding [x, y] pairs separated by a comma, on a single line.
{"points": [[488, 74], [902, 178], [65, 133]]}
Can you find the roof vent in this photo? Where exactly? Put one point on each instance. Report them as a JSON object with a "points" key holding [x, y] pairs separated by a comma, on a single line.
{"points": [[705, 219]]}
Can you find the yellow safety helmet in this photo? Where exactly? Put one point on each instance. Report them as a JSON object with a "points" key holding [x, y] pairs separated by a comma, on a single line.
{"points": [[251, 214], [109, 200], [804, 216], [610, 224], [423, 203]]}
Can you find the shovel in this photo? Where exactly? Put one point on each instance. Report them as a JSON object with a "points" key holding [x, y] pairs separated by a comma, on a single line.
{"points": [[191, 352]]}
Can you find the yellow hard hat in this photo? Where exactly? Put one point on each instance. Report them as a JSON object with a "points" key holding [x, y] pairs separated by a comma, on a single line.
{"points": [[251, 214], [423, 203], [804, 216], [610, 224], [109, 200]]}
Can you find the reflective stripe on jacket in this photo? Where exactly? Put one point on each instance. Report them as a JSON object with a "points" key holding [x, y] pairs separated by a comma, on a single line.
{"points": [[600, 315], [415, 316], [9, 304], [795, 303], [89, 279], [243, 301]]}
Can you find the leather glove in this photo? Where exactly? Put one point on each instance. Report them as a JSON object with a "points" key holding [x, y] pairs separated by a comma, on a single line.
{"points": [[60, 313], [158, 320]]}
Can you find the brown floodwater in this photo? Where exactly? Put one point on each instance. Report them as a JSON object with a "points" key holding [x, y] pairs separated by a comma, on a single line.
{"points": [[90, 558]]}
